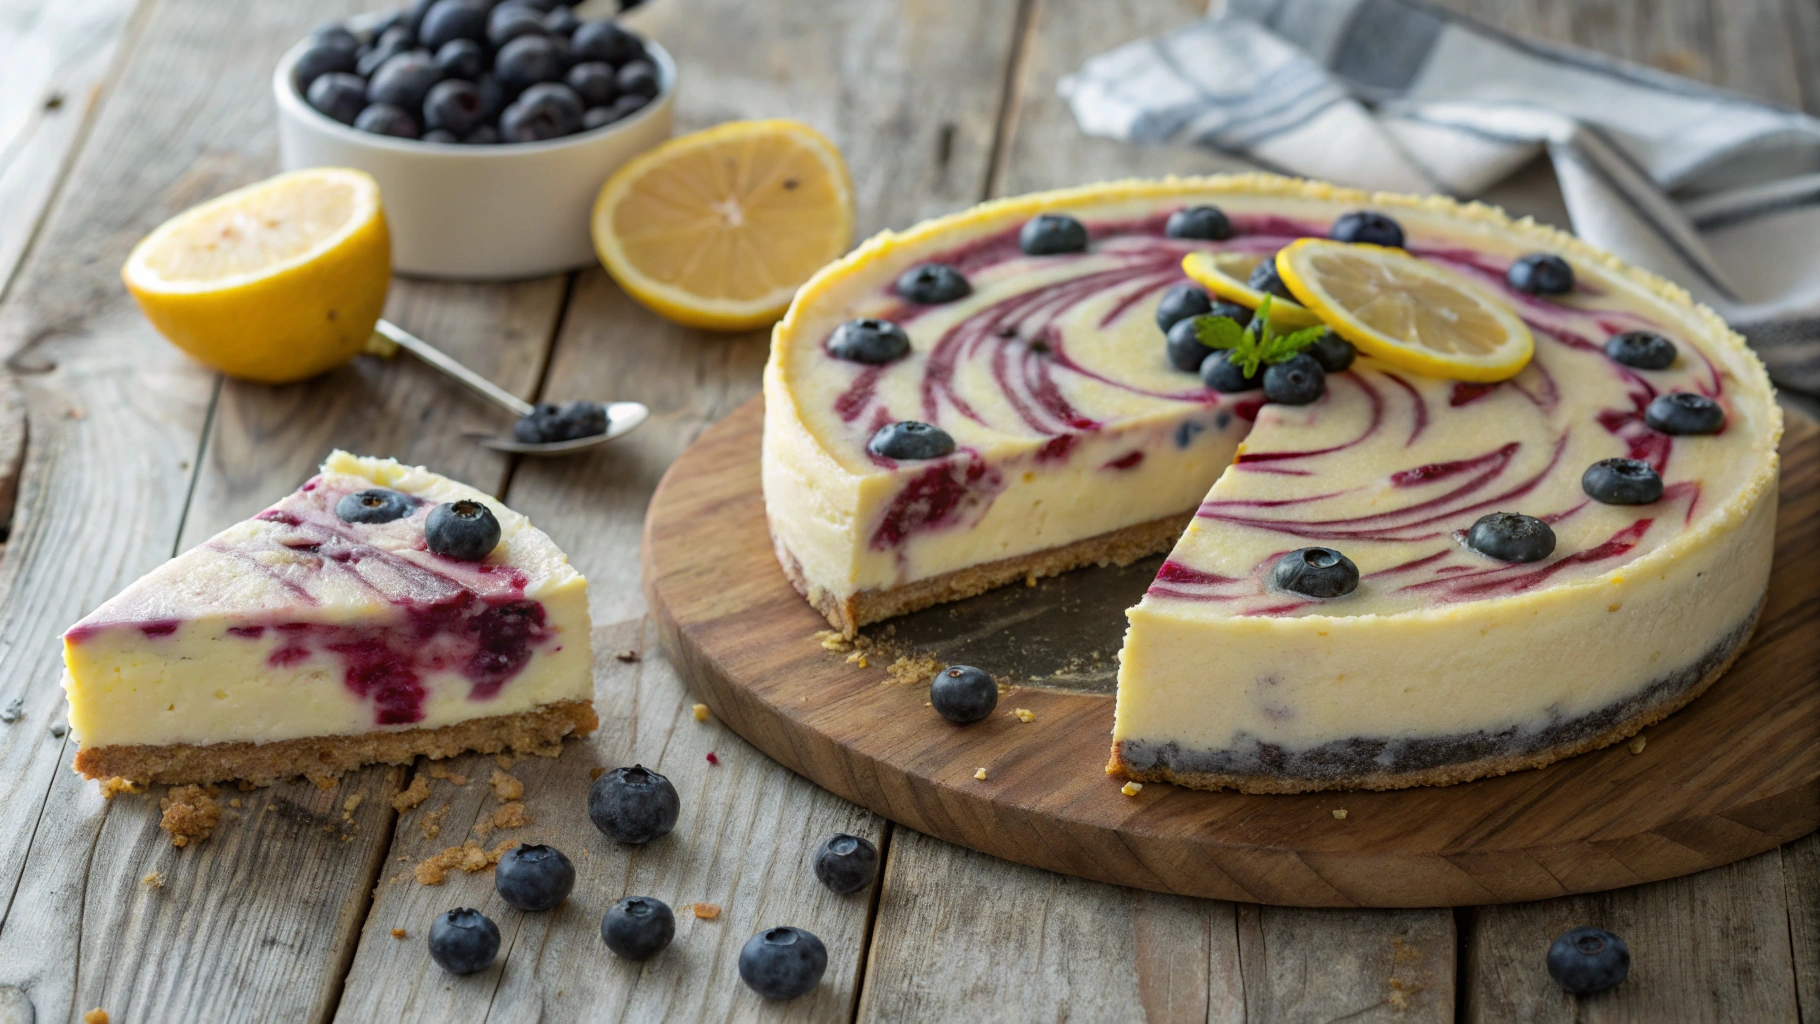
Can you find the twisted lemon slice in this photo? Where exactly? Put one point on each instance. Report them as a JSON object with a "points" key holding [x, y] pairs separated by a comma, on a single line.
{"points": [[1225, 273]]}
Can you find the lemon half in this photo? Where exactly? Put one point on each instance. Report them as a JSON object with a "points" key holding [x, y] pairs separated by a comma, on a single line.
{"points": [[1225, 273]]}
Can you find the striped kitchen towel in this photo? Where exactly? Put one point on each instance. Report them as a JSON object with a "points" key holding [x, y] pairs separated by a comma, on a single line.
{"points": [[1716, 191]]}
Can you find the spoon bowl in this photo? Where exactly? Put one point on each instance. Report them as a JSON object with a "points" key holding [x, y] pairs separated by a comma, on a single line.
{"points": [[622, 418]]}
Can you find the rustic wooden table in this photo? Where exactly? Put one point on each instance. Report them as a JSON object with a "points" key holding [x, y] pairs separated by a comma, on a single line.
{"points": [[114, 114]]}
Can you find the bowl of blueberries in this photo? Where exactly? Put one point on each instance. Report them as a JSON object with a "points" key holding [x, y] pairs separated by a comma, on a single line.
{"points": [[490, 126]]}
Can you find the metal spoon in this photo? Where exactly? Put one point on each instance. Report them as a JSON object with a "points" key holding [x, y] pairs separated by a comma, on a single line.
{"points": [[622, 417]]}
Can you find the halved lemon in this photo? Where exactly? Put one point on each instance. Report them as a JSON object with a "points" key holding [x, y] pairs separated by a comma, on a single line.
{"points": [[274, 282], [1224, 274], [718, 229], [1405, 311]]}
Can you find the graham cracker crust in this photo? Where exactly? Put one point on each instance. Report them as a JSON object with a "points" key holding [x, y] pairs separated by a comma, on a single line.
{"points": [[1117, 547], [538, 731]]}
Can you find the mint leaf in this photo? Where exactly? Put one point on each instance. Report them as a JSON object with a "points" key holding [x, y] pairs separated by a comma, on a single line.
{"points": [[1279, 348], [1218, 331]]}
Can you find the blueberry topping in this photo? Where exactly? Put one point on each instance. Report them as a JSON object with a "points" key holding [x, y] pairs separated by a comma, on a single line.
{"points": [[462, 58], [513, 21], [1622, 482], [1369, 227], [1222, 374], [527, 60], [320, 60], [1207, 223], [1264, 278], [533, 877], [404, 80], [963, 694], [846, 863], [463, 530], [1587, 960], [1541, 274], [463, 941], [909, 439], [1333, 352], [375, 505], [783, 963], [448, 20], [1183, 346], [339, 95], [1511, 537], [453, 105], [550, 422], [1298, 380], [931, 284], [1049, 234], [1181, 302], [1683, 412], [638, 927], [1643, 350], [869, 340], [593, 82], [638, 78], [633, 805], [605, 40], [1315, 572], [386, 119]]}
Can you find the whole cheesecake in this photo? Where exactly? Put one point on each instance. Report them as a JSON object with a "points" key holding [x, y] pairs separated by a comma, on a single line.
{"points": [[1064, 434]]}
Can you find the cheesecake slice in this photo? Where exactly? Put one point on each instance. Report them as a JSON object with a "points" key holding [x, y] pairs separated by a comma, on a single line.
{"points": [[323, 634]]}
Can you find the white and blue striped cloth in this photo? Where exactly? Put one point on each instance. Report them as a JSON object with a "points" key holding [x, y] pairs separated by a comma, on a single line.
{"points": [[1718, 192]]}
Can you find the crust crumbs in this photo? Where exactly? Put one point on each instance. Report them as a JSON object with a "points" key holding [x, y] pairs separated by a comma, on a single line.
{"points": [[400, 933], [468, 857], [111, 788], [1132, 788], [348, 806], [706, 911], [95, 1016], [438, 771], [1638, 742], [980, 774], [417, 792], [597, 771], [1025, 715], [431, 825], [511, 815], [153, 880], [700, 711], [324, 782], [504, 761], [190, 815], [507, 788], [913, 670]]}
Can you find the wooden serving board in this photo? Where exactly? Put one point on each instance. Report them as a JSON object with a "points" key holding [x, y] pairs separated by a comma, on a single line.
{"points": [[1734, 774]]}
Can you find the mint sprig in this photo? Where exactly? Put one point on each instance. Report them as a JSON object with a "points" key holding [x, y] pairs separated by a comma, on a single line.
{"points": [[1256, 344]]}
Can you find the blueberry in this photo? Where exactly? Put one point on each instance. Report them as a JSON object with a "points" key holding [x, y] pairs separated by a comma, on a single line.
{"points": [[386, 23], [511, 21], [404, 80], [1644, 350], [534, 877], [1264, 278], [783, 963], [593, 82], [633, 805], [463, 530], [1587, 960], [561, 21], [414, 15], [638, 78], [598, 117], [1315, 572], [628, 105], [1683, 412], [485, 135], [1622, 482], [868, 340], [1049, 234], [846, 863], [559, 95], [321, 60], [1203, 222], [337, 35], [638, 927], [1541, 274], [441, 135], [1511, 537], [1181, 302], [386, 119], [909, 439], [492, 96], [1298, 380], [932, 284], [525, 61], [1183, 346], [449, 20], [462, 58], [963, 694], [453, 106], [549, 422], [535, 122], [391, 43], [463, 941], [605, 40], [1369, 227], [375, 505], [1333, 352], [1232, 311], [339, 95], [1222, 374]]}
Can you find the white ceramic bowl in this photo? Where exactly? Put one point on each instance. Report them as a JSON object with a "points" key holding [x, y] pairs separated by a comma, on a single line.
{"points": [[477, 212]]}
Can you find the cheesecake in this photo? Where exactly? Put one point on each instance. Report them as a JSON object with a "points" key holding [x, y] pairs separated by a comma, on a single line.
{"points": [[972, 402], [377, 613]]}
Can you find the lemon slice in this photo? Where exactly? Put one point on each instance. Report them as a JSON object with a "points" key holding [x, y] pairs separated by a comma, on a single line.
{"points": [[718, 229], [274, 282], [1407, 312], [1224, 274]]}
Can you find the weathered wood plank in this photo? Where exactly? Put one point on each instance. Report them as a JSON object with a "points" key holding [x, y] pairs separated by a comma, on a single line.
{"points": [[1801, 875], [1352, 965]]}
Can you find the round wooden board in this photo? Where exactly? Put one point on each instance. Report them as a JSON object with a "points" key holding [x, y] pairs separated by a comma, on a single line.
{"points": [[1735, 773]]}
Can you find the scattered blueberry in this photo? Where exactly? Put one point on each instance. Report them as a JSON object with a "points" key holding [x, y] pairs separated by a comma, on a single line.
{"points": [[1297, 380], [1622, 482], [1223, 375], [593, 82], [638, 927], [963, 694], [931, 284], [462, 58], [321, 60], [1183, 346], [533, 877], [404, 80], [1181, 302], [638, 78], [1264, 278], [339, 95], [868, 340], [1541, 274], [527, 60], [386, 119], [1684, 412], [1207, 223], [846, 863], [633, 805], [1369, 227], [448, 20], [783, 963], [375, 505], [463, 530], [1511, 537], [454, 106], [550, 422], [605, 40], [1587, 960], [909, 439], [1643, 350], [1315, 572], [1049, 234], [1333, 352], [463, 941], [561, 21], [512, 21]]}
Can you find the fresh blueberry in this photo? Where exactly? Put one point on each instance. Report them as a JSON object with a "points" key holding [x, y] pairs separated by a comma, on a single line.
{"points": [[1684, 412], [598, 117], [561, 21], [638, 78], [321, 60], [492, 96], [535, 122], [404, 80], [549, 422], [1297, 380], [441, 135], [593, 82], [846, 863], [337, 35], [511, 21], [339, 95], [448, 20], [375, 505], [386, 119], [525, 61], [1050, 234], [1622, 482], [627, 105], [1181, 302], [1643, 350], [391, 43], [783, 963], [633, 805], [454, 106], [605, 40], [463, 530], [638, 927], [963, 694], [932, 284], [1541, 274], [1333, 352], [1232, 311], [534, 877], [1587, 960], [485, 135], [1222, 374], [1315, 572], [908, 439], [1368, 227], [1264, 278], [463, 941], [1207, 223], [1511, 537], [1183, 346], [561, 96], [414, 15], [386, 23], [462, 58], [868, 340]]}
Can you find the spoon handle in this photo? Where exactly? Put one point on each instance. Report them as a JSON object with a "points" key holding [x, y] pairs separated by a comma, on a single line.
{"points": [[442, 361]]}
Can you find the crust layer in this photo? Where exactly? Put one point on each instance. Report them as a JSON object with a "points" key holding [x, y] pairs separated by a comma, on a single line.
{"points": [[538, 731]]}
